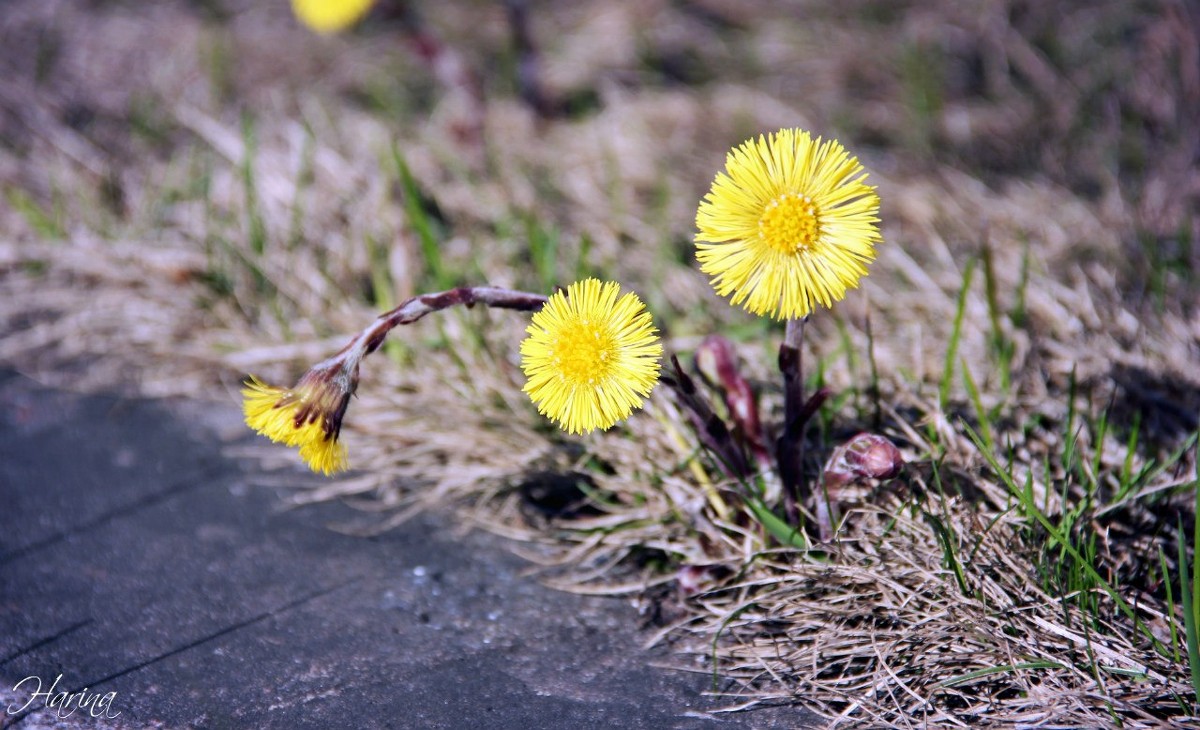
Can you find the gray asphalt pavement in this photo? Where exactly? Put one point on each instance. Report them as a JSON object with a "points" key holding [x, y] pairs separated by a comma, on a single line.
{"points": [[144, 582]]}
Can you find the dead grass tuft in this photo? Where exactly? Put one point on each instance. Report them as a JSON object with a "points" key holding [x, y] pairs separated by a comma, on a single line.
{"points": [[193, 195]]}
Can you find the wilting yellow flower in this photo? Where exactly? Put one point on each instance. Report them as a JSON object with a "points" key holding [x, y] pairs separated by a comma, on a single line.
{"points": [[591, 356], [330, 16], [308, 416], [788, 224]]}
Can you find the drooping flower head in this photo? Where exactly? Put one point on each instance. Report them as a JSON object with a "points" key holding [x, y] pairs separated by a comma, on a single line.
{"points": [[789, 224], [330, 16], [592, 356], [308, 416]]}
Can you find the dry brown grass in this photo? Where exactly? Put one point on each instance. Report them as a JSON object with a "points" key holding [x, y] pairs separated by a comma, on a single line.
{"points": [[1063, 134]]}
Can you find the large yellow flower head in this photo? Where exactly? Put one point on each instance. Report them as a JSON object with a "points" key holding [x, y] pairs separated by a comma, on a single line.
{"points": [[788, 225], [308, 416], [330, 16], [592, 356]]}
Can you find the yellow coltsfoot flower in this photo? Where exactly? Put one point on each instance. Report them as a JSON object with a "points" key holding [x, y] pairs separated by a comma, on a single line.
{"points": [[788, 225], [330, 16], [308, 416], [592, 356]]}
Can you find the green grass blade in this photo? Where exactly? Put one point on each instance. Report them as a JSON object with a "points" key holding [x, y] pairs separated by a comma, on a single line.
{"points": [[775, 525], [44, 224], [1191, 598], [1000, 345], [383, 288], [582, 269], [733, 616], [421, 223], [255, 225], [873, 388], [304, 181], [1187, 586], [1058, 536], [1002, 669], [955, 337], [984, 421], [1166, 578], [1125, 479], [544, 250], [946, 540], [1019, 312]]}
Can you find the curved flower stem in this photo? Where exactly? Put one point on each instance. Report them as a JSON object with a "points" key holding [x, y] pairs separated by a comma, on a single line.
{"points": [[309, 415], [414, 308]]}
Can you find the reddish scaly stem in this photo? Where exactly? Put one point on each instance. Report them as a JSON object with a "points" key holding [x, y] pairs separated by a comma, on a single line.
{"points": [[709, 427], [716, 361], [789, 449], [414, 308]]}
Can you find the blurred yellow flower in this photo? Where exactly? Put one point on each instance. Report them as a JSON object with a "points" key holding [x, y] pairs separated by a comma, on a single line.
{"points": [[788, 225], [330, 16], [592, 356], [308, 416]]}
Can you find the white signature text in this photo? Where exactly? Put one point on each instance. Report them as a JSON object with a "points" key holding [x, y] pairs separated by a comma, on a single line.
{"points": [[64, 704]]}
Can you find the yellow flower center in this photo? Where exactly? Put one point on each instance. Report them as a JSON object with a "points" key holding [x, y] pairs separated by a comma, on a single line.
{"points": [[583, 353], [790, 224]]}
